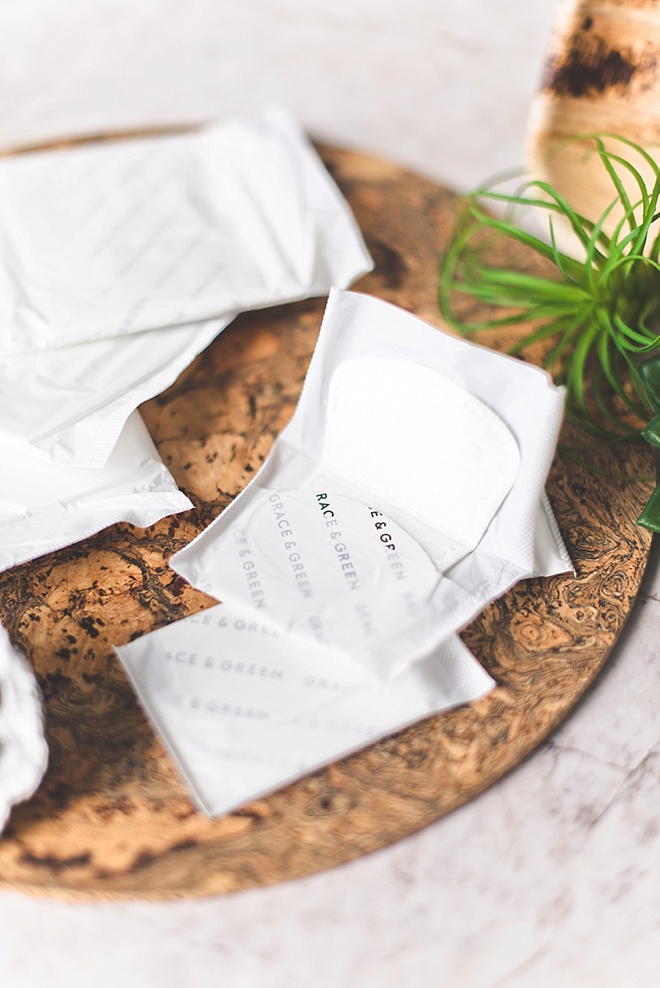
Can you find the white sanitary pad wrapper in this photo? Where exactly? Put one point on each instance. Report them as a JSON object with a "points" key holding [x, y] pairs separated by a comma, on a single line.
{"points": [[68, 405], [406, 492], [23, 749], [45, 506], [244, 710], [119, 262]]}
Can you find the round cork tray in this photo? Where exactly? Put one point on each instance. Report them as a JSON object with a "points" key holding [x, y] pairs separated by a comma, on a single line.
{"points": [[111, 819]]}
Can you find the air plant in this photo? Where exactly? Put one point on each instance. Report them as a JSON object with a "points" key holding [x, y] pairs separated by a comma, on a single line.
{"points": [[599, 316]]}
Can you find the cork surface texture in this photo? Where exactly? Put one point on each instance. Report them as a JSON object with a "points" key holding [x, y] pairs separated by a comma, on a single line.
{"points": [[111, 819]]}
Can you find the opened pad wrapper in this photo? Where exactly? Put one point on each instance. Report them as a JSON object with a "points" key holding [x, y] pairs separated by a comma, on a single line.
{"points": [[408, 449]]}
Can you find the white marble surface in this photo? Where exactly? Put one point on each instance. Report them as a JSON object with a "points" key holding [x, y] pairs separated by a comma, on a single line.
{"points": [[552, 877]]}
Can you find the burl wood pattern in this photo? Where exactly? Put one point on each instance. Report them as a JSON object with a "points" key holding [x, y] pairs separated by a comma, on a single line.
{"points": [[111, 818]]}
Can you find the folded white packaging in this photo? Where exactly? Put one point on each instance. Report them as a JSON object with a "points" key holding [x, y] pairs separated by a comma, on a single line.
{"points": [[119, 262], [23, 749], [45, 506], [406, 492], [68, 405], [244, 710]]}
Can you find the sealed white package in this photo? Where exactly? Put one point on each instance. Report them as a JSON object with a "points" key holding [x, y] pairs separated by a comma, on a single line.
{"points": [[69, 404], [23, 749], [406, 492], [45, 506], [244, 710], [102, 240], [173, 235]]}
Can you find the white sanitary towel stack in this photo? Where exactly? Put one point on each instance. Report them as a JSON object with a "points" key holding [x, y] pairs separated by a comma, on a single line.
{"points": [[406, 492], [119, 263]]}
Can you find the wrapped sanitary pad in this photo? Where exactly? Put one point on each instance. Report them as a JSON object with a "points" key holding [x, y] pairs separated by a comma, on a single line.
{"points": [[23, 750], [406, 492], [45, 506], [119, 262], [244, 709], [69, 404]]}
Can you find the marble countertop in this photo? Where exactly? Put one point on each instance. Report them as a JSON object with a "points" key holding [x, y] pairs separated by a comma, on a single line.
{"points": [[550, 877]]}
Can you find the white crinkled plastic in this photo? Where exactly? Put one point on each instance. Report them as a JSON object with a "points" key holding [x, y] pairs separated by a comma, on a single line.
{"points": [[450, 442], [120, 262], [45, 506], [244, 710], [69, 404], [23, 750], [102, 240]]}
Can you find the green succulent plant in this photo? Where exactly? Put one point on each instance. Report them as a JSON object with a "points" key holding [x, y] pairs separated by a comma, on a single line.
{"points": [[599, 314]]}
